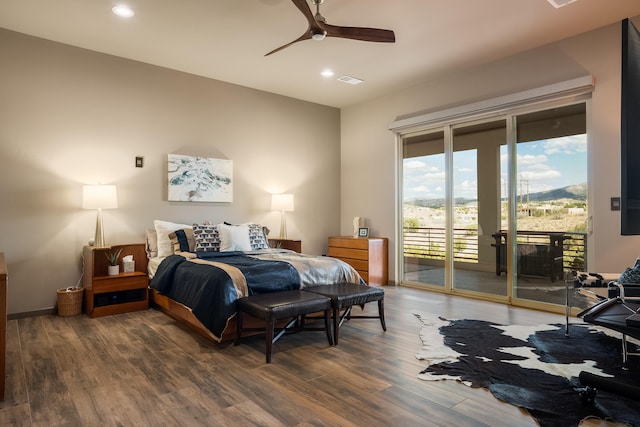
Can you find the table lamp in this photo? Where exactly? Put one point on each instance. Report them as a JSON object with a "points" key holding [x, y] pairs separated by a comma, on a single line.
{"points": [[282, 203], [99, 197]]}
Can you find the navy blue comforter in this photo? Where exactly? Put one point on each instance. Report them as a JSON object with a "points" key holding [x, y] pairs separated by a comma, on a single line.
{"points": [[211, 292]]}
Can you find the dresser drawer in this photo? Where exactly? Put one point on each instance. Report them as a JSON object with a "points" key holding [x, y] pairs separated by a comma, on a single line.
{"points": [[349, 242], [358, 264], [338, 252]]}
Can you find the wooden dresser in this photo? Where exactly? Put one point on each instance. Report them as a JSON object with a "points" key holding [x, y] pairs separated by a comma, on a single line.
{"points": [[369, 256], [3, 323]]}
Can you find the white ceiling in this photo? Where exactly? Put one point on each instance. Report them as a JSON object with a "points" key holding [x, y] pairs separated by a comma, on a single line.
{"points": [[227, 39]]}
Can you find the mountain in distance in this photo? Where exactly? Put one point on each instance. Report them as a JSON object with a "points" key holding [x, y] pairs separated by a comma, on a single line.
{"points": [[575, 192], [572, 192]]}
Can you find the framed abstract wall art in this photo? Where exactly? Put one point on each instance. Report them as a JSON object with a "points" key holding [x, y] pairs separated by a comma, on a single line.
{"points": [[199, 179]]}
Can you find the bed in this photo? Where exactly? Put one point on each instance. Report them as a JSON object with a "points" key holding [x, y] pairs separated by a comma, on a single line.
{"points": [[199, 271]]}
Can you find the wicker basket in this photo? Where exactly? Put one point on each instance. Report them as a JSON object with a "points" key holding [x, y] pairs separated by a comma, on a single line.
{"points": [[70, 301]]}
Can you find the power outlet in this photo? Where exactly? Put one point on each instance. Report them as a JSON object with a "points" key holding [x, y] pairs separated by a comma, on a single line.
{"points": [[139, 161]]}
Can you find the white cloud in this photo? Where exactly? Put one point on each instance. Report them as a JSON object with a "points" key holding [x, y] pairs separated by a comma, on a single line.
{"points": [[566, 145], [541, 175], [434, 175], [529, 159], [538, 167], [469, 185], [414, 164]]}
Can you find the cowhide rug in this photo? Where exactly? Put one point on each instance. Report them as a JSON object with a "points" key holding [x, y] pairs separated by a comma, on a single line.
{"points": [[535, 368]]}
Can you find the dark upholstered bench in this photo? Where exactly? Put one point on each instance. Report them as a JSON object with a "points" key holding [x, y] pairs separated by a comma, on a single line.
{"points": [[275, 306], [346, 295]]}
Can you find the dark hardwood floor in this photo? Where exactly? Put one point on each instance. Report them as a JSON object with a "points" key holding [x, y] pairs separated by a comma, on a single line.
{"points": [[144, 369]]}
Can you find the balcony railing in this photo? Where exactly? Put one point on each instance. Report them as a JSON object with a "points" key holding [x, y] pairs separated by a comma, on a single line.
{"points": [[429, 243]]}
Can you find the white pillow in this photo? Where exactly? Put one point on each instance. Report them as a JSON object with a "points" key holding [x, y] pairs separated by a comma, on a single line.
{"points": [[163, 228], [234, 238]]}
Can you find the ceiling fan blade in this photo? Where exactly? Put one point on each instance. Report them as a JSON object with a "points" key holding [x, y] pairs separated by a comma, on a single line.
{"points": [[360, 33], [303, 6], [305, 36], [318, 29]]}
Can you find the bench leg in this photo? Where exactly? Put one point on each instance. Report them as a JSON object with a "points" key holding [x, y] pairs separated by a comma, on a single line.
{"points": [[381, 314], [327, 326], [238, 327], [271, 324], [336, 323]]}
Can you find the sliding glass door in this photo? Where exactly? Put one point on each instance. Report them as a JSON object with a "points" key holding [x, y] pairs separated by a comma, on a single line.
{"points": [[423, 208], [476, 206], [551, 201], [497, 207]]}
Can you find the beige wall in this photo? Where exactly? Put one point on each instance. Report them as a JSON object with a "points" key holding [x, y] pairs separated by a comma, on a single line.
{"points": [[368, 147], [69, 117]]}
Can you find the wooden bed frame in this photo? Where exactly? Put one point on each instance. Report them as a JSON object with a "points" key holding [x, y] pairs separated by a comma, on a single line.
{"points": [[183, 314]]}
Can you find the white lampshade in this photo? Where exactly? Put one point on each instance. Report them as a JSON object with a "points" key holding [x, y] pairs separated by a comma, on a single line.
{"points": [[99, 197], [282, 202]]}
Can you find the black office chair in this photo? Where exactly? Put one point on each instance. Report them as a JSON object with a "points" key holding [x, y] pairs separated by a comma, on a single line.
{"points": [[593, 286]]}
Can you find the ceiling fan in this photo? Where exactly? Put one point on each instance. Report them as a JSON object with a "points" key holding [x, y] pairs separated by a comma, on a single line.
{"points": [[319, 29]]}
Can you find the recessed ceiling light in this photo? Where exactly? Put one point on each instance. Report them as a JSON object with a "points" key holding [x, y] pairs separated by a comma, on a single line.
{"points": [[122, 10], [559, 3], [327, 73], [350, 80]]}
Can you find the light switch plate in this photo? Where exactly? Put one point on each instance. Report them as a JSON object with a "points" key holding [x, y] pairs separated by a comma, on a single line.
{"points": [[615, 203]]}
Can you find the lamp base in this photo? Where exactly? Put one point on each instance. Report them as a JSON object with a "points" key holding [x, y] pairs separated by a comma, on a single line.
{"points": [[283, 226], [98, 240]]}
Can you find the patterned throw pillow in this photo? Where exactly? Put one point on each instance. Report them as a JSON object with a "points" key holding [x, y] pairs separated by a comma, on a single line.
{"points": [[257, 238], [593, 280], [207, 238], [630, 275]]}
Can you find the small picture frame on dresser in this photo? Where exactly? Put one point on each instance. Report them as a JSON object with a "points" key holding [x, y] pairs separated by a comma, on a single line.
{"points": [[363, 232]]}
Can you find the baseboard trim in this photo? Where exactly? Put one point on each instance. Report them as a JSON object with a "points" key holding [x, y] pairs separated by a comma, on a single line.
{"points": [[35, 313]]}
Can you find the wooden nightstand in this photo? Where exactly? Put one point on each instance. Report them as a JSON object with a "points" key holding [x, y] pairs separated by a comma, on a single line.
{"points": [[104, 294], [293, 245]]}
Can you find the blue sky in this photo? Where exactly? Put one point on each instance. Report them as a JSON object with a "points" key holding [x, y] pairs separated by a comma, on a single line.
{"points": [[546, 164]]}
